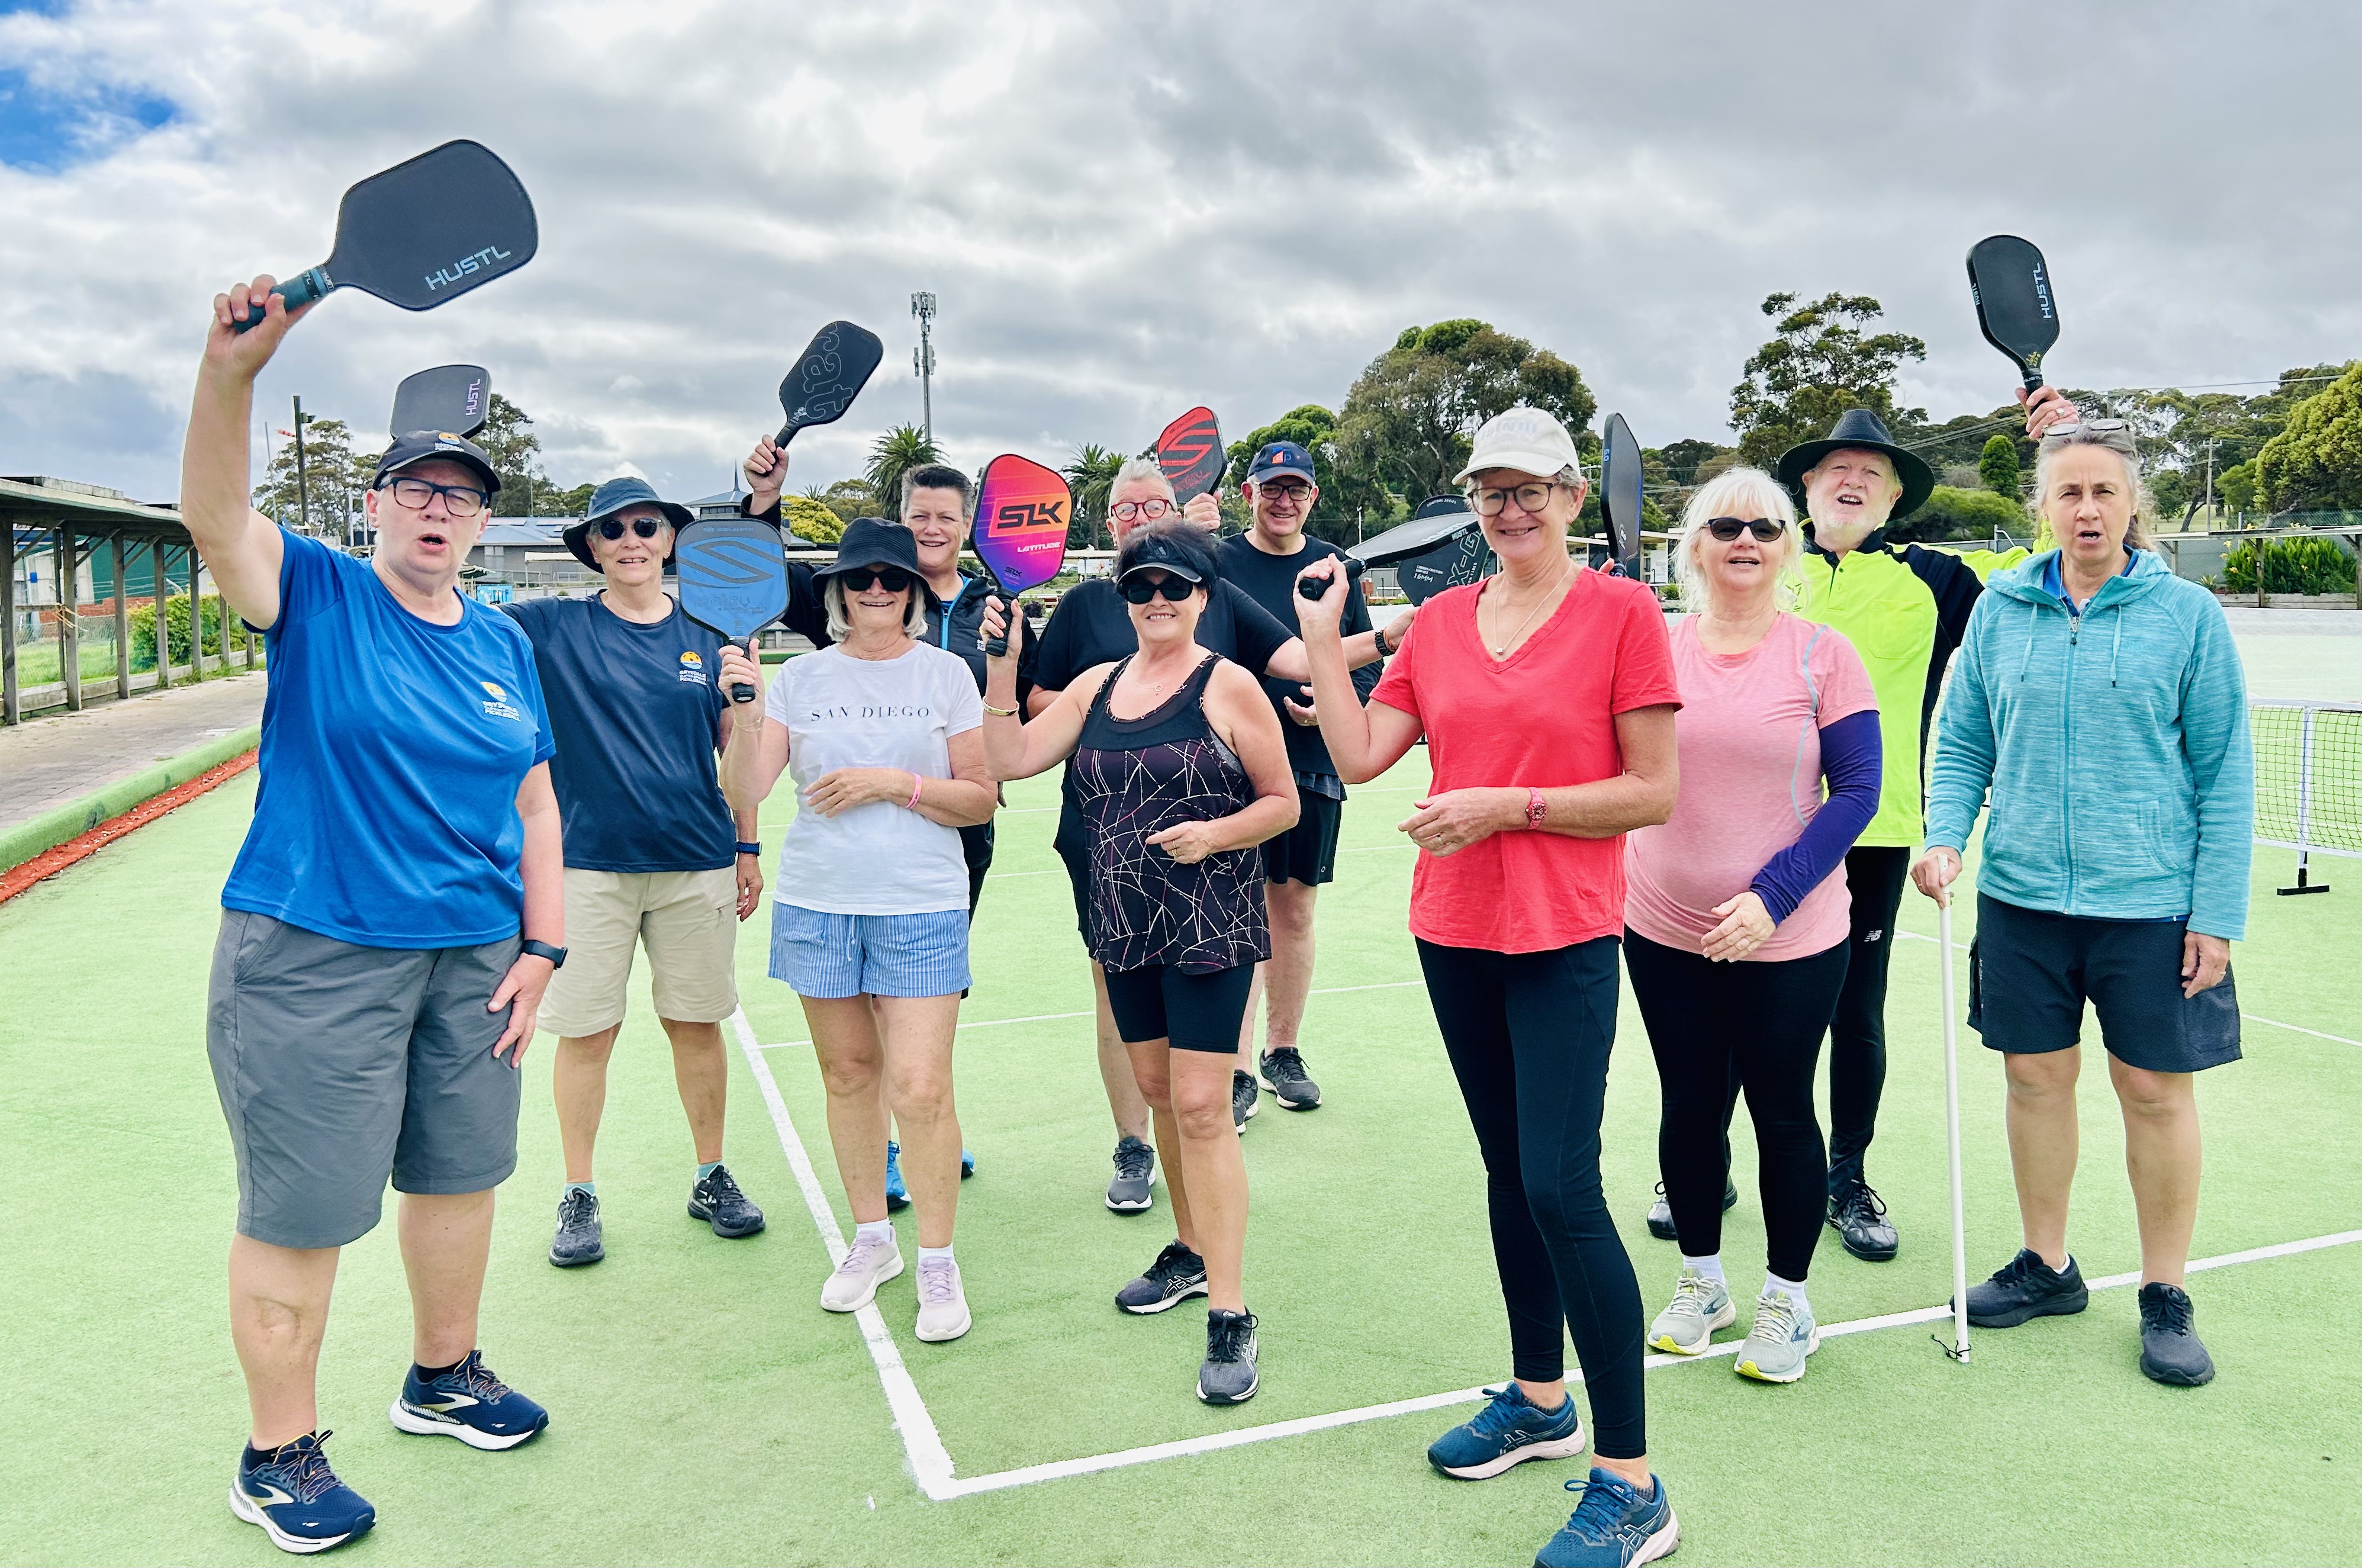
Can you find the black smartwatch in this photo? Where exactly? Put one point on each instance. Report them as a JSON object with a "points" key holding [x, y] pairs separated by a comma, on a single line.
{"points": [[557, 955], [754, 849]]}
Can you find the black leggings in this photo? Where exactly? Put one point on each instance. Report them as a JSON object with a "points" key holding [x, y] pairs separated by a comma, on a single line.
{"points": [[1756, 1026], [1874, 876], [1189, 1013], [1528, 1034]]}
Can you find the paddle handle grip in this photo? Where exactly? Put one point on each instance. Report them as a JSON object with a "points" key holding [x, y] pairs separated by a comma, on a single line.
{"points": [[739, 691], [304, 288], [996, 646], [1315, 590]]}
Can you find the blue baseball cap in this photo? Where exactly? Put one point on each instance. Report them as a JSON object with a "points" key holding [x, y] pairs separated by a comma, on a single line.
{"points": [[613, 497], [1281, 457]]}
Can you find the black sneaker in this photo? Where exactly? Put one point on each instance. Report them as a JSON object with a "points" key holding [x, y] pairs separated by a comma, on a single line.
{"points": [[1858, 1216], [2027, 1288], [578, 1240], [1175, 1276], [1133, 1189], [1229, 1375], [1245, 1099], [2170, 1351], [1283, 1074], [1660, 1213], [717, 1200]]}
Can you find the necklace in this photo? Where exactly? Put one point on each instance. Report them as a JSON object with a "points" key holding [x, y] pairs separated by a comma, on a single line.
{"points": [[1502, 651]]}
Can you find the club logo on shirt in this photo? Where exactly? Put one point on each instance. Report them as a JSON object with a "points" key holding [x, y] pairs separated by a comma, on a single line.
{"points": [[692, 667], [499, 707]]}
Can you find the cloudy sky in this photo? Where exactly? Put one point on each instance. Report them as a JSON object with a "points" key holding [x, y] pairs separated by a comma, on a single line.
{"points": [[1125, 208]]}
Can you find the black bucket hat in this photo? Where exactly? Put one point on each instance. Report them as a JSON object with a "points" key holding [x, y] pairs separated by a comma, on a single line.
{"points": [[874, 542], [1859, 428], [613, 497]]}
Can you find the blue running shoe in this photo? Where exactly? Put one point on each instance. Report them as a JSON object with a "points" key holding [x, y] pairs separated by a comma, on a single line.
{"points": [[967, 1165], [1509, 1431], [1613, 1527], [471, 1404], [298, 1500], [898, 1197]]}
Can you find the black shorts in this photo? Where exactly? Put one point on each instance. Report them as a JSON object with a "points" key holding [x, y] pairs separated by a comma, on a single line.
{"points": [[976, 848], [2030, 972], [1305, 852], [1192, 1012]]}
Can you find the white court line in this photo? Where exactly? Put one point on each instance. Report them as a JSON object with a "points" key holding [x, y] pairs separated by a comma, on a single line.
{"points": [[929, 1463]]}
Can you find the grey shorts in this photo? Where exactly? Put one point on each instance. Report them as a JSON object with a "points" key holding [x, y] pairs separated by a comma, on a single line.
{"points": [[338, 1065]]}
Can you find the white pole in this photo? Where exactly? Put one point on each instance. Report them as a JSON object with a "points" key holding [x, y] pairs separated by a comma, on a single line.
{"points": [[1952, 1132]]}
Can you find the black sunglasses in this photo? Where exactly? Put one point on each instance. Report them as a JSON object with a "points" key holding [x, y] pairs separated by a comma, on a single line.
{"points": [[1765, 529], [1139, 590], [613, 527], [892, 578]]}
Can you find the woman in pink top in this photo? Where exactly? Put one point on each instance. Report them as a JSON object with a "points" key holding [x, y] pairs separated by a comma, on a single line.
{"points": [[1736, 915]]}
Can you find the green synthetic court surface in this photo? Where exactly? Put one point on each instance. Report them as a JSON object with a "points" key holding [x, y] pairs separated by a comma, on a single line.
{"points": [[705, 1408]]}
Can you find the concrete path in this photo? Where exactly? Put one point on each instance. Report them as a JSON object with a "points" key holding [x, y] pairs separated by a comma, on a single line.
{"points": [[50, 762]]}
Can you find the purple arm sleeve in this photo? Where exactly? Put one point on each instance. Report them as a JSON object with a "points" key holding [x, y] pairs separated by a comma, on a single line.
{"points": [[1852, 761]]}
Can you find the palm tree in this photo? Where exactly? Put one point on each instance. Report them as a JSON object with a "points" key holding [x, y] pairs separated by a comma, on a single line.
{"points": [[1092, 475], [901, 450]]}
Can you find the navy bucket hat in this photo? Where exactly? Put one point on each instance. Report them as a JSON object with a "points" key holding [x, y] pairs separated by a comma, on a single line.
{"points": [[613, 497]]}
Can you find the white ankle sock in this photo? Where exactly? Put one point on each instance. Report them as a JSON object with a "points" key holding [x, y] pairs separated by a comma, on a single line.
{"points": [[876, 1230], [1710, 1266], [1795, 1288], [927, 1252]]}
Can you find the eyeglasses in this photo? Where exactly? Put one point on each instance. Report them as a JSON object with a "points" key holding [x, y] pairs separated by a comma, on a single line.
{"points": [[459, 500], [2091, 426], [1530, 497], [645, 528], [860, 580], [1292, 493], [1127, 511], [1139, 590], [1765, 529]]}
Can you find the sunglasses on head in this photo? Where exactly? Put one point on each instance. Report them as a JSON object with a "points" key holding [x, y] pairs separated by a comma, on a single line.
{"points": [[1765, 529], [645, 528], [1139, 590], [892, 578]]}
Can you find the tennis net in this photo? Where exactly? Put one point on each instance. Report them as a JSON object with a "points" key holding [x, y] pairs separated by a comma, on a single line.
{"points": [[2308, 781]]}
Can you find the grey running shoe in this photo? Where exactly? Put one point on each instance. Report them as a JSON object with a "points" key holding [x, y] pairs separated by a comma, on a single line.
{"points": [[1229, 1375], [578, 1240], [1660, 1213], [1858, 1216], [717, 1200], [867, 1264], [1133, 1189], [943, 1304], [1784, 1335], [1245, 1099], [1175, 1276], [2023, 1288], [2170, 1351], [1700, 1304], [1283, 1074]]}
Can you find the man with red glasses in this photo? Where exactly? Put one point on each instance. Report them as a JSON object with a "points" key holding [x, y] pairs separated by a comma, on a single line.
{"points": [[654, 857], [1264, 562]]}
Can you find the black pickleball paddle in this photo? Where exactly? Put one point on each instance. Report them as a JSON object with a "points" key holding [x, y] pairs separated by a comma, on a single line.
{"points": [[1620, 495], [1189, 453], [2015, 308], [834, 367], [453, 397]]}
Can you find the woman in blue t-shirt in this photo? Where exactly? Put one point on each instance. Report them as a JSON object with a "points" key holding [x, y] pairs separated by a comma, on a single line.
{"points": [[388, 930]]}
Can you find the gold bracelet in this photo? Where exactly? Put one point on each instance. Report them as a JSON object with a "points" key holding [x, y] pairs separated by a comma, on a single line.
{"points": [[1000, 713]]}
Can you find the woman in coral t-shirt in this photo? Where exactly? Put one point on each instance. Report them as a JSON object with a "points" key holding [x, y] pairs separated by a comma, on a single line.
{"points": [[1546, 695], [1738, 919]]}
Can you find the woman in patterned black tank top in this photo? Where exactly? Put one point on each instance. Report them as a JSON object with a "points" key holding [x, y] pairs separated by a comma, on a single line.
{"points": [[1179, 771]]}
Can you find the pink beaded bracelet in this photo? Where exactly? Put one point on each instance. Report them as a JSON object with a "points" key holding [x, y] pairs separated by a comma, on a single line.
{"points": [[912, 803]]}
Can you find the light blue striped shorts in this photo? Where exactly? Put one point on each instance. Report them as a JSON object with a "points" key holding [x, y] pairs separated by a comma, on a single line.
{"points": [[835, 955]]}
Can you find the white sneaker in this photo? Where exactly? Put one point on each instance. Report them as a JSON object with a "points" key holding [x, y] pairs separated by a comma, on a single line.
{"points": [[867, 1264], [942, 1305]]}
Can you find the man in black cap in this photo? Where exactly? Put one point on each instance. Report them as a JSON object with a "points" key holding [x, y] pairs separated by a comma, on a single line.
{"points": [[1903, 608], [654, 857]]}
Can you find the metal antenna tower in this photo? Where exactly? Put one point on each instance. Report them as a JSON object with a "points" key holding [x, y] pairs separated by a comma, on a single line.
{"points": [[922, 359]]}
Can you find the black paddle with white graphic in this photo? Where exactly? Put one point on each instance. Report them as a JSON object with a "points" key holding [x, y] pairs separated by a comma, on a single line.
{"points": [[423, 232], [831, 373], [455, 398], [733, 579], [1620, 495], [2015, 308]]}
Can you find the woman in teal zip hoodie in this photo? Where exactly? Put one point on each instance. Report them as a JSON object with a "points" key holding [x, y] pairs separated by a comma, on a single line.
{"points": [[2100, 699]]}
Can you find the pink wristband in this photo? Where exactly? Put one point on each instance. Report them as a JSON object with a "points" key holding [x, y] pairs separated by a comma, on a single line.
{"points": [[912, 803]]}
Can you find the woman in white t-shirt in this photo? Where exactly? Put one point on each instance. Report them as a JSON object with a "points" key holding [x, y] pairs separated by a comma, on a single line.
{"points": [[884, 736]]}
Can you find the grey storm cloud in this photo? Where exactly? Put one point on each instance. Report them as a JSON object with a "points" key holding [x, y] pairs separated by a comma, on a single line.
{"points": [[1125, 210]]}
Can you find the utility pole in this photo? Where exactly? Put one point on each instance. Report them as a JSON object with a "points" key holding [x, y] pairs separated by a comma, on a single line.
{"points": [[923, 360], [302, 475], [2210, 482]]}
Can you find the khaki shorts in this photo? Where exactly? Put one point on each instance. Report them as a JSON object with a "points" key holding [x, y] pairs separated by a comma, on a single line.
{"points": [[689, 920]]}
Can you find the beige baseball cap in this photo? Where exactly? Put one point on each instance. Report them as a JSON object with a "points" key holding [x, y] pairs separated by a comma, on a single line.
{"points": [[1522, 439]]}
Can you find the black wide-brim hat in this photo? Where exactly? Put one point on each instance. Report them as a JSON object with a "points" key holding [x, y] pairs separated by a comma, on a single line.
{"points": [[874, 542], [613, 497], [1861, 429]]}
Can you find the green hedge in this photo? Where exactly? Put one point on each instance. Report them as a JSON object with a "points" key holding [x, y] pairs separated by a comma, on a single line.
{"points": [[2290, 566], [176, 623]]}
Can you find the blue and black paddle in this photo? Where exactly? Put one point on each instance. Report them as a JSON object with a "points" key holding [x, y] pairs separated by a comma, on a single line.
{"points": [[732, 574], [455, 399]]}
